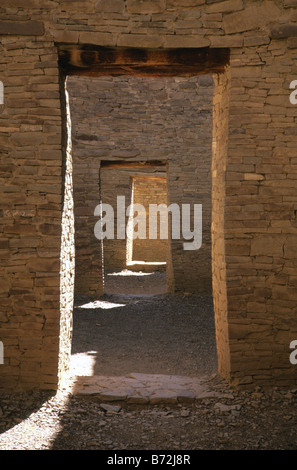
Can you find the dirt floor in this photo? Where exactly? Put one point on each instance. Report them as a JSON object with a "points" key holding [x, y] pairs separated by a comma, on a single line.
{"points": [[139, 332], [161, 334]]}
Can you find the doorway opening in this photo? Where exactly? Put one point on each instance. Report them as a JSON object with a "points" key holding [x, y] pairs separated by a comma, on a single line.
{"points": [[90, 150], [135, 256]]}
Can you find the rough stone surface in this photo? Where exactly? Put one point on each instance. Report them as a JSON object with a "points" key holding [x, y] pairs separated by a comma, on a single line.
{"points": [[250, 18], [284, 31], [231, 420], [22, 28]]}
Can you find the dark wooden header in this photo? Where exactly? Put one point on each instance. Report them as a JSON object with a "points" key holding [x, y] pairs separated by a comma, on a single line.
{"points": [[93, 60], [124, 164]]}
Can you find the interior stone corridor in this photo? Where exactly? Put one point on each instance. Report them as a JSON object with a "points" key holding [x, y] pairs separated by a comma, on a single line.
{"points": [[123, 333], [138, 328]]}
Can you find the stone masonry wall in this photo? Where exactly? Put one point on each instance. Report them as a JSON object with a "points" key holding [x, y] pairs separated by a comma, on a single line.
{"points": [[255, 194], [31, 207], [219, 160], [260, 217]]}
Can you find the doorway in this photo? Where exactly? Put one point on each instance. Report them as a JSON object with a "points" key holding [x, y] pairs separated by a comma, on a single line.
{"points": [[173, 177], [134, 257]]}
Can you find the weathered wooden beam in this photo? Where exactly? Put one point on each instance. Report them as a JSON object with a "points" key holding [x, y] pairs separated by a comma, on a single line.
{"points": [[93, 60], [122, 164]]}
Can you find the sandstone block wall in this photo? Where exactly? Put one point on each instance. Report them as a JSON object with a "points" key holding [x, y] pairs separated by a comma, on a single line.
{"points": [[88, 249], [31, 207], [260, 226], [254, 178]]}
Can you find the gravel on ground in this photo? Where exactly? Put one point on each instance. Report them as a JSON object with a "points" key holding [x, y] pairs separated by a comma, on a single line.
{"points": [[133, 331]]}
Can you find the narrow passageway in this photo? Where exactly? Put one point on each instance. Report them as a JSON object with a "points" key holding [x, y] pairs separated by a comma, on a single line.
{"points": [[133, 330], [140, 329]]}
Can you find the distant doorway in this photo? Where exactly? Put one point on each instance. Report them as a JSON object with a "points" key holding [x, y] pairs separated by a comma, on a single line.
{"points": [[135, 259]]}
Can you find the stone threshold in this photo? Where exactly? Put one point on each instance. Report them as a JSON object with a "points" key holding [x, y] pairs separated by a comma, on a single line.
{"points": [[137, 388]]}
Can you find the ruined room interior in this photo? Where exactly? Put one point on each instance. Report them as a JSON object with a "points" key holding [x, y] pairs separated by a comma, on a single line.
{"points": [[122, 104]]}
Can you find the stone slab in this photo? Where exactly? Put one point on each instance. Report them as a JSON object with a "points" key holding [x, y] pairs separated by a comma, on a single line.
{"points": [[144, 388]]}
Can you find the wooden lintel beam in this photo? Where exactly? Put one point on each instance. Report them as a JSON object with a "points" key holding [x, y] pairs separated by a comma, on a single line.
{"points": [[95, 61]]}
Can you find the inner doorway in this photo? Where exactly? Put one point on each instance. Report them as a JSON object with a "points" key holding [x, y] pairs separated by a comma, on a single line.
{"points": [[135, 257]]}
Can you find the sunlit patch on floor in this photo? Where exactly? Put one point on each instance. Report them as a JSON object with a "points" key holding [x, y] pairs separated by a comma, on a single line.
{"points": [[104, 304], [146, 263], [40, 429], [126, 272], [83, 362]]}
